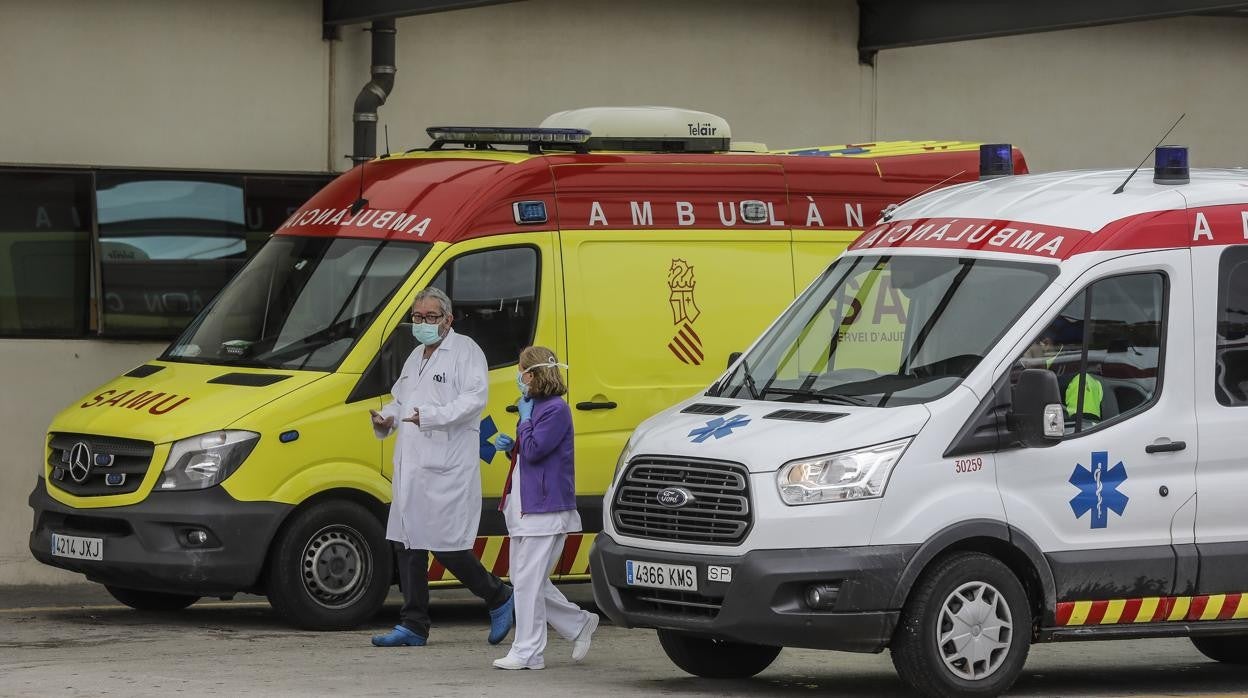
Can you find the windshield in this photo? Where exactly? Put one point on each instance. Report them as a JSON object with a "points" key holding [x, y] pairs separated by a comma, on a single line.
{"points": [[884, 331], [301, 303]]}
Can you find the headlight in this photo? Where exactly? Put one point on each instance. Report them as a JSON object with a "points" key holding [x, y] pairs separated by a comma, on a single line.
{"points": [[205, 460], [625, 454], [860, 474]]}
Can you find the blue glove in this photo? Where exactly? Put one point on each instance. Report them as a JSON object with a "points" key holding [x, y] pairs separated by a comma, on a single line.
{"points": [[526, 408], [504, 443]]}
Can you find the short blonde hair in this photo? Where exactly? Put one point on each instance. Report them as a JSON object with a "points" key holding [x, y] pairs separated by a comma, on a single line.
{"points": [[547, 381]]}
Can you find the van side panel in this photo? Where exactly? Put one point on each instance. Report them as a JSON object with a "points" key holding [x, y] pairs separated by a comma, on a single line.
{"points": [[653, 321]]}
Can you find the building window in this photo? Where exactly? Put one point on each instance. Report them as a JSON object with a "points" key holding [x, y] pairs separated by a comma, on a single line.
{"points": [[45, 253], [168, 243], [1231, 354], [494, 297], [129, 253]]}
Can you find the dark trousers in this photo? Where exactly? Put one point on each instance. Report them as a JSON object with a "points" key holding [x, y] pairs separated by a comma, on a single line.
{"points": [[414, 582]]}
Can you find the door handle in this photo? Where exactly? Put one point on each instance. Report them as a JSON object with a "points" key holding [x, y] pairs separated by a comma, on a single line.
{"points": [[596, 405], [1166, 447]]}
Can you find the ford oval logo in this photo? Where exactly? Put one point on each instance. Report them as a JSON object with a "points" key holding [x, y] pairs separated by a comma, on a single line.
{"points": [[674, 497]]}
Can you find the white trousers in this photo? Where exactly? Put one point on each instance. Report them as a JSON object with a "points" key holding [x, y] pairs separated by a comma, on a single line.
{"points": [[538, 601]]}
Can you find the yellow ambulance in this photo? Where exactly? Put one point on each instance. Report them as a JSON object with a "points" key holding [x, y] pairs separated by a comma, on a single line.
{"points": [[632, 241]]}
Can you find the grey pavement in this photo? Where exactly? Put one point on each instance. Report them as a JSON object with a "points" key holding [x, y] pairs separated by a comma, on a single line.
{"points": [[75, 641]]}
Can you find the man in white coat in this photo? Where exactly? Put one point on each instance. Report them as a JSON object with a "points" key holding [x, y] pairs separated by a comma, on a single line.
{"points": [[436, 507]]}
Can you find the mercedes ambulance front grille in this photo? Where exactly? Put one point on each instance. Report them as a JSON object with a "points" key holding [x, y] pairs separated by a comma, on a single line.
{"points": [[714, 501], [86, 465]]}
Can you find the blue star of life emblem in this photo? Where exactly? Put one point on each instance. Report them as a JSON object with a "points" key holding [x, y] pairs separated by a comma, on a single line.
{"points": [[487, 430], [718, 427], [1098, 489]]}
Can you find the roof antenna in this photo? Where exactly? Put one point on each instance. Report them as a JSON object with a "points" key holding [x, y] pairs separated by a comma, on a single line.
{"points": [[360, 202], [387, 130], [1150, 152], [890, 209]]}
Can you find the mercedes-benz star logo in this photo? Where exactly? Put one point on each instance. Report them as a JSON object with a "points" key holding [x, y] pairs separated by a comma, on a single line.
{"points": [[674, 497], [80, 460]]}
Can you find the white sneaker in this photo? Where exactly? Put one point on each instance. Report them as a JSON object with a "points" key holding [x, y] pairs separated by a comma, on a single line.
{"points": [[510, 663], [580, 646]]}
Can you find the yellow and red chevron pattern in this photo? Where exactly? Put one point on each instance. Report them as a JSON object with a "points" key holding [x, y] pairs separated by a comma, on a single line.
{"points": [[1156, 609], [493, 551]]}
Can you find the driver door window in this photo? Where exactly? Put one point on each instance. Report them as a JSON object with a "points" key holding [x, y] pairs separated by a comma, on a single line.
{"points": [[1105, 348], [494, 297]]}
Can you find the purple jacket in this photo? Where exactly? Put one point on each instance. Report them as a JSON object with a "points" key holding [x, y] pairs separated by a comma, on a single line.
{"points": [[547, 471]]}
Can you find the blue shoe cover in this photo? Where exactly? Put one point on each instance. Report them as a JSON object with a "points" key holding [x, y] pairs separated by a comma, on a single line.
{"points": [[399, 637], [502, 619]]}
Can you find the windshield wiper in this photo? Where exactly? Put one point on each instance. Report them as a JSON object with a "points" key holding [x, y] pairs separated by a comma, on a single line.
{"points": [[718, 389], [827, 398]]}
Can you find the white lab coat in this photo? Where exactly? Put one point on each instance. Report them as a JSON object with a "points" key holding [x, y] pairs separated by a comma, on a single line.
{"points": [[437, 480]]}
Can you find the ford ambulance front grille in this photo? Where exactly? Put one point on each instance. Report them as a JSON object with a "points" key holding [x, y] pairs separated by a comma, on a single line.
{"points": [[86, 465], [702, 501]]}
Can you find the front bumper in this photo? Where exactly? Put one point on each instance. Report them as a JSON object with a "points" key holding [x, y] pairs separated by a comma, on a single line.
{"points": [[764, 603], [146, 545]]}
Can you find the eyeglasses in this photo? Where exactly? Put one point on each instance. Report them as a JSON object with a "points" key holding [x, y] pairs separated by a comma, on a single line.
{"points": [[430, 319]]}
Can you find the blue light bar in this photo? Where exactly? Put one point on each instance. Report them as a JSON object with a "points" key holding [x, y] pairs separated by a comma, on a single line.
{"points": [[996, 160], [529, 212], [1170, 165], [507, 135]]}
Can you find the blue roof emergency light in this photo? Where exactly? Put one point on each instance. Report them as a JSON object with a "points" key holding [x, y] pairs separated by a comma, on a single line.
{"points": [[529, 212], [1170, 165], [996, 160]]}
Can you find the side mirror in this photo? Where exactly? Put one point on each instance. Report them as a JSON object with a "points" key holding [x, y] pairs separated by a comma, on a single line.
{"points": [[732, 358], [1036, 415]]}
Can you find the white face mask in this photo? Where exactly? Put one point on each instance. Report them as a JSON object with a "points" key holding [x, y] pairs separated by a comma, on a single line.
{"points": [[524, 389]]}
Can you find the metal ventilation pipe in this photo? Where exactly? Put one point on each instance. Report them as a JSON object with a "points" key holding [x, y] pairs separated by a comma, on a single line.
{"points": [[374, 94]]}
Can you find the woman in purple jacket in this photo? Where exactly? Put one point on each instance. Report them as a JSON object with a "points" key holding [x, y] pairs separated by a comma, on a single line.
{"points": [[539, 503]]}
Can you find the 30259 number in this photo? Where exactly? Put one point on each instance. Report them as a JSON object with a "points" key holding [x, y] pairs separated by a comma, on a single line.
{"points": [[968, 465]]}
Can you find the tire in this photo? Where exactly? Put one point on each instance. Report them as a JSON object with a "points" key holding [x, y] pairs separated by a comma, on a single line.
{"points": [[1228, 649], [983, 586], [151, 600], [716, 659], [330, 567]]}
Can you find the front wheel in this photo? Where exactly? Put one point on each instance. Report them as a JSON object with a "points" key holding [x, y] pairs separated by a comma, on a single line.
{"points": [[716, 659], [965, 630], [1228, 649], [330, 567], [150, 600]]}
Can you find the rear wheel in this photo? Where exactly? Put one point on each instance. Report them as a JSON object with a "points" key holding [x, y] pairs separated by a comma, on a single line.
{"points": [[1228, 649], [151, 600], [330, 567], [965, 630], [716, 659]]}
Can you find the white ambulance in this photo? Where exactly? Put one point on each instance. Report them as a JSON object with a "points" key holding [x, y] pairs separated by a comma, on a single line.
{"points": [[1045, 441]]}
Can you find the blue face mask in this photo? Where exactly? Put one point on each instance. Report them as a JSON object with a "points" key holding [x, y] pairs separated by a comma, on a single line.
{"points": [[426, 334], [524, 389]]}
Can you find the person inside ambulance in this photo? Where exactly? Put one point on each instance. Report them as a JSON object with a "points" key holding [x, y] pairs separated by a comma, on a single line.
{"points": [[1059, 348]]}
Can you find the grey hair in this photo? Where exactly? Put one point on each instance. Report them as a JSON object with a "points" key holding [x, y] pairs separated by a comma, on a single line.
{"points": [[438, 295]]}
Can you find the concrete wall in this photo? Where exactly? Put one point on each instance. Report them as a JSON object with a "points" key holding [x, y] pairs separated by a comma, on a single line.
{"points": [[783, 72], [234, 84], [1097, 97], [39, 378]]}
